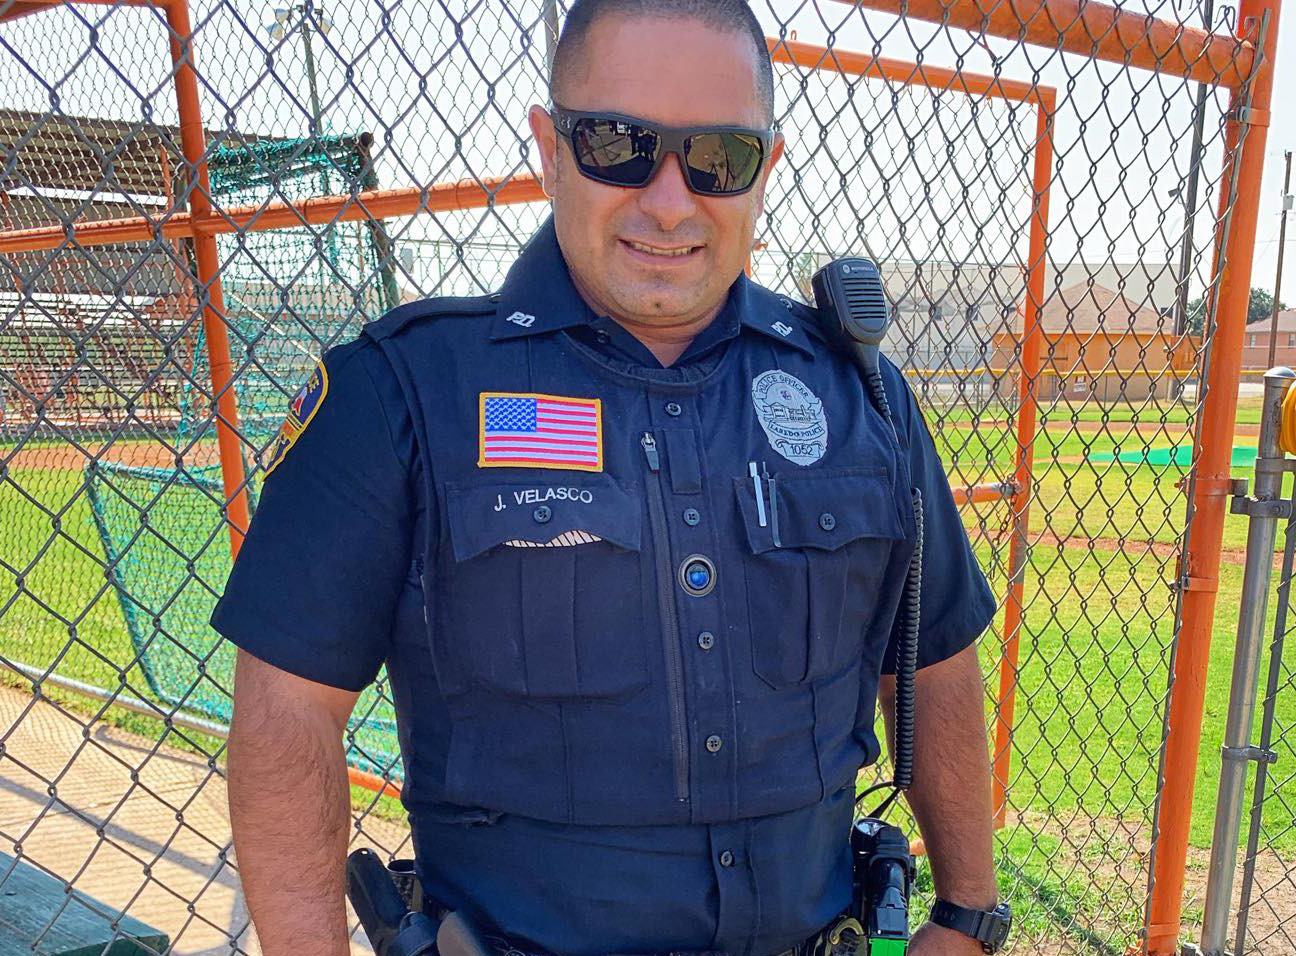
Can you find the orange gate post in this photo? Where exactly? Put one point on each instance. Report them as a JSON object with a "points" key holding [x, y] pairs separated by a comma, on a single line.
{"points": [[193, 141], [1019, 550], [1199, 575]]}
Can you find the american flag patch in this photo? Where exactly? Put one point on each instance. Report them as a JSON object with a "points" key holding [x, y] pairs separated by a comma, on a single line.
{"points": [[540, 431]]}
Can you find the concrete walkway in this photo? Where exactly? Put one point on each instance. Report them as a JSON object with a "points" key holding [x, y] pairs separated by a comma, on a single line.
{"points": [[141, 827]]}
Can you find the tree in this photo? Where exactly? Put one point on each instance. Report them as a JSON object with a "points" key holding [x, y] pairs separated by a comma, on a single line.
{"points": [[1259, 309]]}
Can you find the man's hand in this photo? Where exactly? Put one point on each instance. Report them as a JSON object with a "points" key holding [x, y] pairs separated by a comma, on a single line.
{"points": [[933, 940]]}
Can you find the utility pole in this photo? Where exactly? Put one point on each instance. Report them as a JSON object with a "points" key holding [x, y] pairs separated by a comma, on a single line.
{"points": [[550, 30], [1282, 245], [1190, 200], [310, 69], [311, 19]]}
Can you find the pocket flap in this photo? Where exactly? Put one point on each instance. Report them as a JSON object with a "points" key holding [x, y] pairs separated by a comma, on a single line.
{"points": [[575, 511], [822, 510]]}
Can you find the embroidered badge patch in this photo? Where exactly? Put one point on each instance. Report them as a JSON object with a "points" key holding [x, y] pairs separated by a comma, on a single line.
{"points": [[792, 416], [300, 411], [540, 431]]}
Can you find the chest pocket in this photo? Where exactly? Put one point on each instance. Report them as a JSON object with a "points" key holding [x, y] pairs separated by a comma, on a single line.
{"points": [[544, 596], [810, 597]]}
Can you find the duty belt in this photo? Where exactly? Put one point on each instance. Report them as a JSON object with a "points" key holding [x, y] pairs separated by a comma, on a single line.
{"points": [[840, 937]]}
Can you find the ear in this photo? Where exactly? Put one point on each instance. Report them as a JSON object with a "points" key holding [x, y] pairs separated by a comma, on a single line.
{"points": [[546, 138], [776, 153]]}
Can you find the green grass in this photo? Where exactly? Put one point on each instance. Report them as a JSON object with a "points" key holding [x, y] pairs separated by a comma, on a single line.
{"points": [[1062, 411]]}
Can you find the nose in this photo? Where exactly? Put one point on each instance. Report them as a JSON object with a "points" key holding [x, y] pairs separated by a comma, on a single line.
{"points": [[667, 198]]}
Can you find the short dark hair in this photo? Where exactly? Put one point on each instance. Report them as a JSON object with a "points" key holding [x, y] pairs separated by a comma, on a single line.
{"points": [[733, 15]]}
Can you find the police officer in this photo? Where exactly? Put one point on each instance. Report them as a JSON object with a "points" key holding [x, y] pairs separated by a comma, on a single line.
{"points": [[630, 538]]}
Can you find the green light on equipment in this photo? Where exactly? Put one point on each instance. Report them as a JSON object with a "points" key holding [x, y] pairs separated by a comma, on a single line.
{"points": [[888, 947]]}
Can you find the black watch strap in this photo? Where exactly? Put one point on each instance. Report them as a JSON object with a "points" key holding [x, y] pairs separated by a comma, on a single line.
{"points": [[988, 927]]}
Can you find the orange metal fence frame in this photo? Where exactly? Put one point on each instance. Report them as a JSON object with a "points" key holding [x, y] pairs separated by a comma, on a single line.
{"points": [[1199, 575], [1244, 65], [1241, 63], [1021, 488], [1091, 29]]}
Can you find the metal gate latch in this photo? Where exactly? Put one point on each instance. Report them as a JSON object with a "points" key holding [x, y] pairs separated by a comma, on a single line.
{"points": [[1258, 754]]}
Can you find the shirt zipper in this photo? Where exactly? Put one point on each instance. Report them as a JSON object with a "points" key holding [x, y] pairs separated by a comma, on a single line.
{"points": [[669, 615]]}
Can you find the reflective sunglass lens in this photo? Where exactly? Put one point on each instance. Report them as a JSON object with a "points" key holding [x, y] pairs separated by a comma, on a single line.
{"points": [[615, 151], [723, 163]]}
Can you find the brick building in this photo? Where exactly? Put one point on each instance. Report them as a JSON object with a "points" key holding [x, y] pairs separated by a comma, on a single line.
{"points": [[1098, 344], [1255, 342]]}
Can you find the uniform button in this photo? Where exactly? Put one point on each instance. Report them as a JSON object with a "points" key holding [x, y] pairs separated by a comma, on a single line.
{"points": [[726, 858], [542, 514], [673, 409], [827, 521], [692, 516], [706, 640], [603, 337], [697, 575], [714, 743]]}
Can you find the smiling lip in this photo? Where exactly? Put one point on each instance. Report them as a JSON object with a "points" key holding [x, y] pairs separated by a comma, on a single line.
{"points": [[660, 253]]}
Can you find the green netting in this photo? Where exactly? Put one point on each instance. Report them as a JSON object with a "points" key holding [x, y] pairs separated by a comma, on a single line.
{"points": [[168, 562], [289, 293]]}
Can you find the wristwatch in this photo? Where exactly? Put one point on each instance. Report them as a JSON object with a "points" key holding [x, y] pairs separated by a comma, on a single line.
{"points": [[988, 927]]}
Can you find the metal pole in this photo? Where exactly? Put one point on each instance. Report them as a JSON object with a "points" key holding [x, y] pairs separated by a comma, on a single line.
{"points": [[176, 718], [1282, 243], [551, 31], [1024, 474], [173, 718], [1265, 507], [207, 258], [1190, 201], [316, 113]]}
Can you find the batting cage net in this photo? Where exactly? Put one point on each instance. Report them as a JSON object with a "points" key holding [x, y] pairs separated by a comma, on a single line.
{"points": [[198, 199]]}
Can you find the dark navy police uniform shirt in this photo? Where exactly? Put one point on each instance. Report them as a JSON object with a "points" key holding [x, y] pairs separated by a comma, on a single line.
{"points": [[633, 695]]}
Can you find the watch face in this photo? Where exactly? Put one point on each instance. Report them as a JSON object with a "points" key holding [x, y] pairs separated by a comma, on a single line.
{"points": [[999, 931]]}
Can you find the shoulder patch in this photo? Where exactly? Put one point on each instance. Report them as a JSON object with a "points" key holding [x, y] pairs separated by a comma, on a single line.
{"points": [[401, 316], [301, 410]]}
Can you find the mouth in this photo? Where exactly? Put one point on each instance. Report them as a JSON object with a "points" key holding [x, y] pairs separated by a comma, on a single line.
{"points": [[643, 250]]}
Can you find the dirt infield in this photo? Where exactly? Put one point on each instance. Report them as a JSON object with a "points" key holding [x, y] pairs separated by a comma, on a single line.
{"points": [[146, 454]]}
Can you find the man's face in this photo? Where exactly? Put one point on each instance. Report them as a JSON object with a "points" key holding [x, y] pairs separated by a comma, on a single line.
{"points": [[662, 255]]}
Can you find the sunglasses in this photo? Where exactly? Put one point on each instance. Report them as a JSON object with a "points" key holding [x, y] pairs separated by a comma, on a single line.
{"points": [[625, 151]]}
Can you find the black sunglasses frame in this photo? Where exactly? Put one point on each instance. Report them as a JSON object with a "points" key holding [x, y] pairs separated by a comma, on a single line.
{"points": [[671, 139]]}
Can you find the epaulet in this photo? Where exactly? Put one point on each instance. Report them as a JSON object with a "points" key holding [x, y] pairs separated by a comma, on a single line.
{"points": [[403, 315], [809, 316], [806, 315]]}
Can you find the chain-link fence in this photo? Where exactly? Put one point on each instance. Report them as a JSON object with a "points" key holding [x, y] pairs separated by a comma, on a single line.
{"points": [[1266, 904], [198, 201], [1250, 884]]}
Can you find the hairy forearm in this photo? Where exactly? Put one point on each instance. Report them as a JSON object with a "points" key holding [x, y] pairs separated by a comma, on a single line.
{"points": [[290, 809], [950, 796]]}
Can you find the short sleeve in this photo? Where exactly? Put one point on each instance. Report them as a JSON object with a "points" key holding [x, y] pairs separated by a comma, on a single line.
{"points": [[957, 603], [317, 580]]}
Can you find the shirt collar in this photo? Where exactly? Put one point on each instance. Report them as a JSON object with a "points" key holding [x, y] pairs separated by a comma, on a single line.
{"points": [[539, 296]]}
